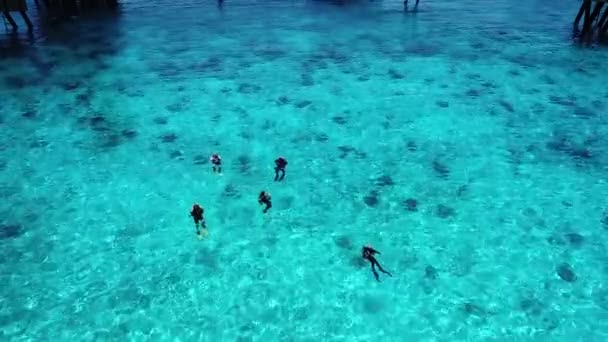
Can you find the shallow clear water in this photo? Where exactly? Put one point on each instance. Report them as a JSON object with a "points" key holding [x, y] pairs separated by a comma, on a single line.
{"points": [[490, 119]]}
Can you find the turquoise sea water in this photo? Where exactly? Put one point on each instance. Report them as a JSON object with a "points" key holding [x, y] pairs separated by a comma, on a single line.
{"points": [[467, 143]]}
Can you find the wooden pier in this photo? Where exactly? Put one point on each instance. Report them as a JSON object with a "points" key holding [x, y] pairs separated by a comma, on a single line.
{"points": [[20, 6], [594, 14], [56, 8]]}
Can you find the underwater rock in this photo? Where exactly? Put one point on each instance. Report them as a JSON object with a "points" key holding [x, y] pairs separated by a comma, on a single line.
{"points": [[600, 297], [580, 153], [303, 104], [441, 169], [385, 180], [70, 86], [168, 138], [473, 309], [422, 49], [344, 242], [358, 262], [270, 53], [247, 88], [346, 150], [39, 143], [29, 114], [584, 112], [15, 82], [394, 74], [531, 306], [213, 64], [549, 321], [443, 211], [200, 159], [340, 120], [175, 108], [10, 231], [489, 85], [230, 191], [321, 137], [285, 202], [410, 204], [176, 154], [371, 199], [574, 239], [283, 100], [206, 258], [561, 101], [85, 98], [507, 106], [307, 80], [563, 144], [597, 104], [472, 93], [566, 273], [97, 120], [523, 60], [442, 104], [244, 163], [431, 272], [160, 120], [604, 220], [548, 80], [411, 146], [129, 133], [247, 135], [372, 305], [109, 140]]}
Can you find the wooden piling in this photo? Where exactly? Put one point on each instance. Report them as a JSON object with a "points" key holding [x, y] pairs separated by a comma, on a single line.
{"points": [[10, 19], [601, 23], [596, 11], [595, 23], [579, 16], [27, 20], [8, 6], [586, 22]]}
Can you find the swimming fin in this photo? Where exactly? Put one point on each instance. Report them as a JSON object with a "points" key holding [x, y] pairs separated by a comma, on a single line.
{"points": [[204, 233]]}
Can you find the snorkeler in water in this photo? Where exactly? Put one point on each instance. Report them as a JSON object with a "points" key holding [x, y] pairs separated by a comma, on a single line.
{"points": [[216, 161], [368, 254], [199, 221], [264, 199], [280, 165]]}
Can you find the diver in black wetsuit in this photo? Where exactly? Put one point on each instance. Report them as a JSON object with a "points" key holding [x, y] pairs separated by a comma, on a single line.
{"points": [[216, 160], [264, 199], [368, 254], [280, 165], [197, 214]]}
